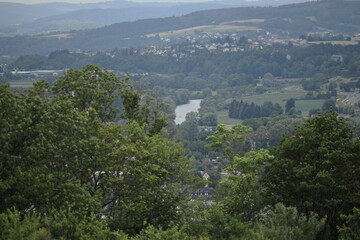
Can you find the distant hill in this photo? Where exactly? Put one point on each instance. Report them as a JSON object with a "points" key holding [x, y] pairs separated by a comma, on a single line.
{"points": [[98, 17], [293, 19], [16, 13], [18, 19]]}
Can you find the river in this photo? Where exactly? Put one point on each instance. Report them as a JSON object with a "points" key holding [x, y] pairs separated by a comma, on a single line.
{"points": [[182, 110]]}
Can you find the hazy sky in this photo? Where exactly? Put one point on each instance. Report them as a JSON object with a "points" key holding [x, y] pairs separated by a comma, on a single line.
{"points": [[92, 1]]}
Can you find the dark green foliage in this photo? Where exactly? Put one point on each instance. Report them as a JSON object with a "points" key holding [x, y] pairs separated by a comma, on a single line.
{"points": [[222, 225], [208, 119], [244, 110], [92, 89], [62, 155], [289, 105], [350, 230], [347, 87], [285, 223], [317, 170], [329, 104], [243, 193], [174, 233], [55, 225]]}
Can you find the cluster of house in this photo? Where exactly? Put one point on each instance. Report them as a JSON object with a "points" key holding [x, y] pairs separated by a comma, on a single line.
{"points": [[205, 193], [215, 42]]}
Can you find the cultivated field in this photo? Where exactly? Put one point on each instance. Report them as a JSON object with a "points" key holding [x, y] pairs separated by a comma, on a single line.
{"points": [[279, 97], [204, 28], [22, 83], [67, 35], [255, 20]]}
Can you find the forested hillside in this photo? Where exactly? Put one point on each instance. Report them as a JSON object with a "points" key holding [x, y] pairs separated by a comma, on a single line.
{"points": [[230, 124], [89, 158], [244, 67], [292, 20]]}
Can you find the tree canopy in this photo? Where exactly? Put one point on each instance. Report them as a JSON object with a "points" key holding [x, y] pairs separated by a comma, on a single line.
{"points": [[317, 170], [62, 151]]}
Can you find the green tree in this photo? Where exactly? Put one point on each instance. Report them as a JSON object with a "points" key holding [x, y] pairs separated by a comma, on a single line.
{"points": [[317, 170], [65, 224], [289, 105], [146, 179], [189, 128], [229, 140], [329, 104], [44, 152], [350, 230], [243, 191], [174, 233], [92, 89], [285, 223], [281, 127], [61, 150], [14, 226]]}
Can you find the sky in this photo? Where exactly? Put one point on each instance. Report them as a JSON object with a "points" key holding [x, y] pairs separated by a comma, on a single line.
{"points": [[93, 1]]}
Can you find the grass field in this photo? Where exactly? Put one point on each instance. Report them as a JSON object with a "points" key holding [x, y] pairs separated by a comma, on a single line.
{"points": [[306, 105], [66, 35], [278, 97], [224, 119], [255, 20], [22, 83], [205, 28], [282, 97]]}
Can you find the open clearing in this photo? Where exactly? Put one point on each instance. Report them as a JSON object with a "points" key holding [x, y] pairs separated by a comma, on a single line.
{"points": [[224, 118], [67, 35], [205, 28], [278, 97], [255, 20], [281, 97], [22, 83]]}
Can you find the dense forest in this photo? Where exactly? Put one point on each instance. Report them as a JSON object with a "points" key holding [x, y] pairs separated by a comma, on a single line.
{"points": [[196, 71], [91, 157], [243, 110]]}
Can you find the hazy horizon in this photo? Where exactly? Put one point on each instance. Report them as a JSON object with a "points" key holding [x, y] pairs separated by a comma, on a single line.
{"points": [[94, 1]]}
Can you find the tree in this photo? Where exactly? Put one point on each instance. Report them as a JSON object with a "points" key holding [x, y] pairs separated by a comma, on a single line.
{"points": [[66, 224], [282, 127], [285, 223], [92, 89], [173, 233], [146, 178], [329, 104], [350, 230], [189, 128], [229, 140], [242, 190], [289, 105], [44, 152], [317, 170], [208, 119], [62, 150]]}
